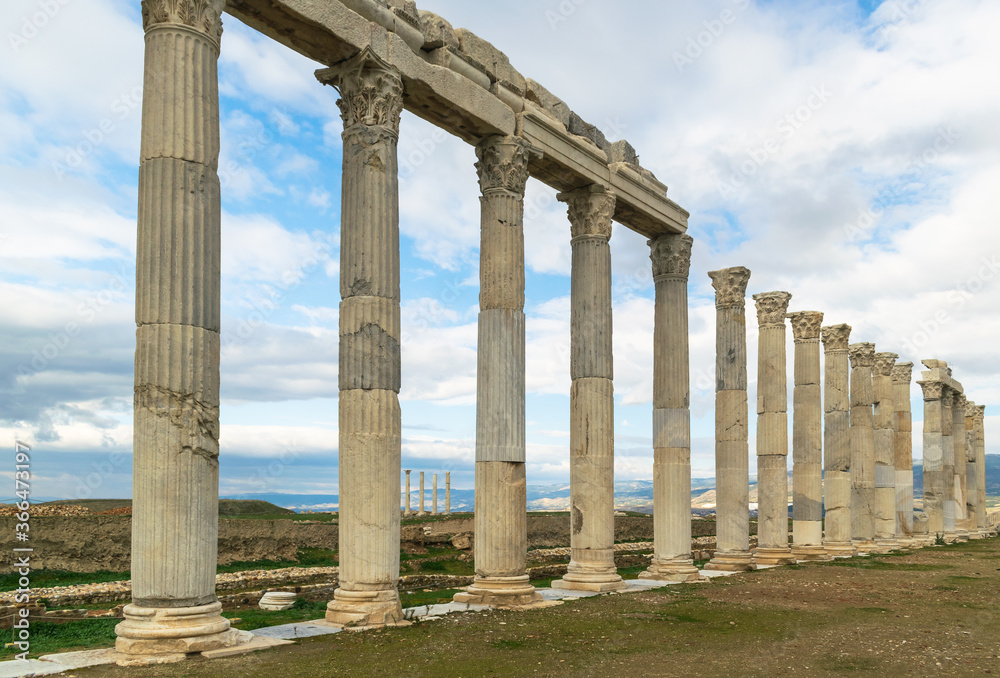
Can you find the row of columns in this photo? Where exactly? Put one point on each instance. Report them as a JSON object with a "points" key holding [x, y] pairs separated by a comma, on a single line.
{"points": [[422, 494]]}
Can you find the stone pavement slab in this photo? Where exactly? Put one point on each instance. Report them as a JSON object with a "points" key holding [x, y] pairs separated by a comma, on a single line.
{"points": [[21, 668], [564, 594], [83, 658], [297, 630]]}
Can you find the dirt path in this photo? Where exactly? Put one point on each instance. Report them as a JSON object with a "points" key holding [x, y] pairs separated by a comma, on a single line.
{"points": [[931, 613]]}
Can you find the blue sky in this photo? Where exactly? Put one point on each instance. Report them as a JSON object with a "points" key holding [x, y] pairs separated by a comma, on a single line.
{"points": [[844, 152]]}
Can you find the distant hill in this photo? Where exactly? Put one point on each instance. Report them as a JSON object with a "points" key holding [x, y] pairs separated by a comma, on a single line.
{"points": [[227, 507], [992, 476]]}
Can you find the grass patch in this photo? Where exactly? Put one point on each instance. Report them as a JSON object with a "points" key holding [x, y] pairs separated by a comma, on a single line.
{"points": [[48, 637], [415, 598], [848, 664], [46, 578], [255, 618], [875, 563]]}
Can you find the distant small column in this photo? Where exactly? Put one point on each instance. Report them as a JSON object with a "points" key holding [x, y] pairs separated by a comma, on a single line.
{"points": [[971, 472], [434, 502], [933, 452], [863, 501], [902, 375], [885, 451], [980, 437], [671, 257], [948, 463], [958, 439], [447, 492], [407, 472], [772, 432], [420, 504], [807, 439], [732, 450], [837, 441]]}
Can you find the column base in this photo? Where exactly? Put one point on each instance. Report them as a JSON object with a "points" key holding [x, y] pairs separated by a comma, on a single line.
{"points": [[865, 545], [502, 592], [364, 608], [810, 552], [887, 545], [842, 549], [731, 561], [673, 569], [591, 570], [160, 635], [773, 556]]}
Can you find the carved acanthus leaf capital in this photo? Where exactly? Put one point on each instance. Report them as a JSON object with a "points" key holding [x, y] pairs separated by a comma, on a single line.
{"points": [[772, 307], [671, 256], [730, 286], [590, 211], [960, 402], [806, 324], [836, 337], [902, 372], [884, 362], [503, 164], [371, 91], [933, 390], [202, 15], [862, 354], [980, 414]]}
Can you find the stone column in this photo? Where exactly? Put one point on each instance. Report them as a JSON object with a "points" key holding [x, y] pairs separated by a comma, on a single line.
{"points": [[420, 503], [592, 435], [175, 482], [447, 492], [959, 440], [837, 442], [980, 438], [671, 257], [732, 450], [863, 501], [370, 456], [807, 439], [934, 486], [971, 471], [407, 472], [501, 495], [948, 464], [902, 374], [885, 451], [772, 431], [434, 495]]}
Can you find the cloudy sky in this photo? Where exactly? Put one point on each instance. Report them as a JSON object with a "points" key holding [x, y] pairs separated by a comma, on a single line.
{"points": [[844, 151]]}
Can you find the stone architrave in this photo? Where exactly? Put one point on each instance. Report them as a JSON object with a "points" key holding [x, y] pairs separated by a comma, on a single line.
{"points": [[971, 471], [447, 492], [501, 495], [672, 561], [948, 463], [732, 450], [420, 502], [863, 501], [592, 439], [980, 437], [933, 452], [959, 439], [884, 421], [371, 100], [772, 431], [807, 439], [174, 610], [837, 442], [407, 472], [434, 495], [902, 374]]}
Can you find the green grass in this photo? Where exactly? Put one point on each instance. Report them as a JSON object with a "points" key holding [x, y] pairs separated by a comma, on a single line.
{"points": [[255, 618], [47, 637], [46, 578], [307, 557], [876, 563]]}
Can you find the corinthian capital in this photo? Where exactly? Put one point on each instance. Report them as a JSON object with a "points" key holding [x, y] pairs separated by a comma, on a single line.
{"points": [[960, 402], [933, 390], [590, 211], [730, 286], [884, 362], [836, 337], [862, 354], [902, 372], [371, 91], [671, 256], [772, 307], [202, 15], [806, 325], [503, 164], [980, 414]]}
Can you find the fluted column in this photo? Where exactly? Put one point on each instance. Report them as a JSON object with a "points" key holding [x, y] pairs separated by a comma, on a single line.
{"points": [[807, 439], [772, 431], [837, 441], [732, 450], [407, 472], [933, 462], [885, 451], [948, 463], [501, 495], [420, 501], [671, 257], [434, 495], [902, 374], [447, 492], [971, 471], [980, 439], [863, 501], [959, 440], [370, 457], [174, 609], [592, 435]]}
